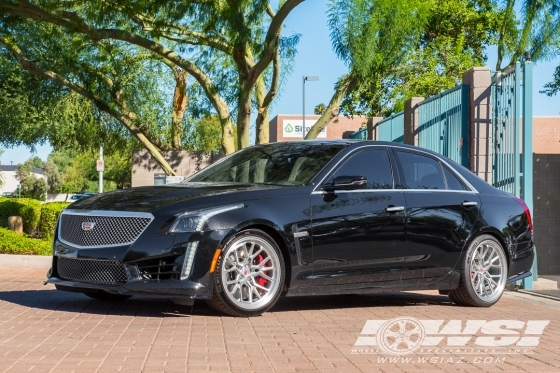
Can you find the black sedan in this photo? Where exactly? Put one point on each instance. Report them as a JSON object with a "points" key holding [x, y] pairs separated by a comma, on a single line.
{"points": [[299, 218]]}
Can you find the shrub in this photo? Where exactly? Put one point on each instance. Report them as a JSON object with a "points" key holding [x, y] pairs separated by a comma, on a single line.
{"points": [[49, 216], [15, 243], [28, 209]]}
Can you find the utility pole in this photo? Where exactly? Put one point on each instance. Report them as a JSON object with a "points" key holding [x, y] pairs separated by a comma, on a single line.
{"points": [[100, 168]]}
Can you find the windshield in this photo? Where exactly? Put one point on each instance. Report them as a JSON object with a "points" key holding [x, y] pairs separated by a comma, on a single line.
{"points": [[280, 163]]}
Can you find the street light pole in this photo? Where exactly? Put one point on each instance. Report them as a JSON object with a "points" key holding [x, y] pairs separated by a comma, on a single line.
{"points": [[311, 79], [101, 170]]}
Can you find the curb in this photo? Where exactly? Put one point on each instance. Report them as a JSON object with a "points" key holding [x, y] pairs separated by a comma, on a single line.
{"points": [[538, 295], [25, 261]]}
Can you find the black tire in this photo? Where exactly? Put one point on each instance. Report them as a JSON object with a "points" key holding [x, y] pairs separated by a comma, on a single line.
{"points": [[105, 296], [476, 288], [245, 277]]}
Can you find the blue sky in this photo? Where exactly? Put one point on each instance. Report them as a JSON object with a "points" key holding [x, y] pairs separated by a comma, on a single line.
{"points": [[315, 57]]}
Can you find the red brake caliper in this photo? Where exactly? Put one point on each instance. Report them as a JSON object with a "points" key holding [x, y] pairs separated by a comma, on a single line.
{"points": [[262, 281]]}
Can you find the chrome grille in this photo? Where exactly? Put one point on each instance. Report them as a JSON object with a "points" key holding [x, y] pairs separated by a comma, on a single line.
{"points": [[106, 230], [92, 271]]}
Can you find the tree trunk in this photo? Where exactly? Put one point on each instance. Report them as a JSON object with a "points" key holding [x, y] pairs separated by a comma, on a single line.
{"points": [[262, 135], [228, 137], [244, 115], [344, 85], [180, 100]]}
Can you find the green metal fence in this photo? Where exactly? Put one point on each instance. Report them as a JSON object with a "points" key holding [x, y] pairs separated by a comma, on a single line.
{"points": [[391, 128], [360, 134], [512, 129], [443, 124]]}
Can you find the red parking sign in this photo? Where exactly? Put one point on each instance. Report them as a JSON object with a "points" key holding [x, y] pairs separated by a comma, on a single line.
{"points": [[100, 165]]}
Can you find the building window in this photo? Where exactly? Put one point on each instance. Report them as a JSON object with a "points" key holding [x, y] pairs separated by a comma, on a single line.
{"points": [[159, 179]]}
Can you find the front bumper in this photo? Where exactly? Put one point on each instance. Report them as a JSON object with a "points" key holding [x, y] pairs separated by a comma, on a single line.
{"points": [[160, 289], [140, 270]]}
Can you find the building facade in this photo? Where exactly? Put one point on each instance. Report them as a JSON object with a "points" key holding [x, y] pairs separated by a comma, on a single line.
{"points": [[546, 193], [288, 127], [9, 180]]}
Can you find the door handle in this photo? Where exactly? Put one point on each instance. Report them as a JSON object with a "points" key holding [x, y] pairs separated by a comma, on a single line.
{"points": [[394, 208], [469, 204]]}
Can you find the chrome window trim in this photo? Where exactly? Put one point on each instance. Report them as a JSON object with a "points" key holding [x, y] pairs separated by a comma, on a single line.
{"points": [[394, 190], [451, 169], [102, 213], [365, 147], [472, 189]]}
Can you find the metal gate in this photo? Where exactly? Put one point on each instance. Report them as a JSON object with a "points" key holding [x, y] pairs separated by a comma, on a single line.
{"points": [[391, 128], [512, 128], [443, 124]]}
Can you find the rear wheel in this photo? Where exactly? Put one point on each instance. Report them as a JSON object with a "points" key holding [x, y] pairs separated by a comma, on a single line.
{"points": [[249, 275], [483, 274]]}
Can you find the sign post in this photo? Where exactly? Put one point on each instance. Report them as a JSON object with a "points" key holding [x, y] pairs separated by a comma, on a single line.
{"points": [[100, 168]]}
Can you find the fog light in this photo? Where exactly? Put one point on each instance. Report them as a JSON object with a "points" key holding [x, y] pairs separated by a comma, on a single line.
{"points": [[189, 259]]}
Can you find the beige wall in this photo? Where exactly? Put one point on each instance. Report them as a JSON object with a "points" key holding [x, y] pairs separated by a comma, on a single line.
{"points": [[546, 135], [183, 163], [334, 129]]}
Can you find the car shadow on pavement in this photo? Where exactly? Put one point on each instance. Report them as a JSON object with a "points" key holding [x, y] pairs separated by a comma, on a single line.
{"points": [[54, 300]]}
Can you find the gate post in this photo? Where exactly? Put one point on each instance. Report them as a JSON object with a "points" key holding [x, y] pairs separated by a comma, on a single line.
{"points": [[480, 121], [411, 120], [527, 160], [372, 127]]}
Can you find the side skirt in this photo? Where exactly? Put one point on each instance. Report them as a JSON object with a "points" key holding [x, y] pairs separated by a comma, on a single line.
{"points": [[447, 282]]}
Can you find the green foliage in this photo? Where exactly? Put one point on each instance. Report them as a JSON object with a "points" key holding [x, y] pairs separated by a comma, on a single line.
{"points": [[28, 209], [31, 185], [118, 170], [528, 25], [120, 57], [49, 217], [54, 178], [552, 88], [203, 135], [79, 174], [453, 41], [15, 243]]}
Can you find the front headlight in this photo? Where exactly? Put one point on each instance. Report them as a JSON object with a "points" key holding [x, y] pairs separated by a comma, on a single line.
{"points": [[194, 221]]}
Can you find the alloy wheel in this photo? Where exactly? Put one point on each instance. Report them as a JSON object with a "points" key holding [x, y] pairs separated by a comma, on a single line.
{"points": [[487, 269], [251, 273]]}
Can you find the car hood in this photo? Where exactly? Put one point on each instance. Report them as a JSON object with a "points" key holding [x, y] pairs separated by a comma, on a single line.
{"points": [[152, 198]]}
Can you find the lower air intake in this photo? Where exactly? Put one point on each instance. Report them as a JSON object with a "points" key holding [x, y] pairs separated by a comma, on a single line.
{"points": [[92, 271]]}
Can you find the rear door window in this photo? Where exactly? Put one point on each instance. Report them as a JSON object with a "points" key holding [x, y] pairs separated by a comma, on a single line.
{"points": [[420, 172]]}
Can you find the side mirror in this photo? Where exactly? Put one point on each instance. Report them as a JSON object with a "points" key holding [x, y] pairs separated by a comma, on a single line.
{"points": [[346, 182]]}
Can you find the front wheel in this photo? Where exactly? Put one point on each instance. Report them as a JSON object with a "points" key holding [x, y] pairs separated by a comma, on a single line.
{"points": [[483, 274], [249, 275]]}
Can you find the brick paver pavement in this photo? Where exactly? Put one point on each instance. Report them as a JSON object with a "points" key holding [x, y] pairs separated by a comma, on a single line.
{"points": [[44, 330]]}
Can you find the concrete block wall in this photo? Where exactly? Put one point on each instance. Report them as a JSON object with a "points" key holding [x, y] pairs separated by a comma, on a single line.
{"points": [[546, 211]]}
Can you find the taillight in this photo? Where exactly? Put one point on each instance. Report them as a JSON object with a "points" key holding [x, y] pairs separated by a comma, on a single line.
{"points": [[527, 212]]}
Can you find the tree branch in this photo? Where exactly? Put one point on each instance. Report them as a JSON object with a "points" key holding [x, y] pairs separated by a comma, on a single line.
{"points": [[73, 22], [273, 37], [99, 103]]}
